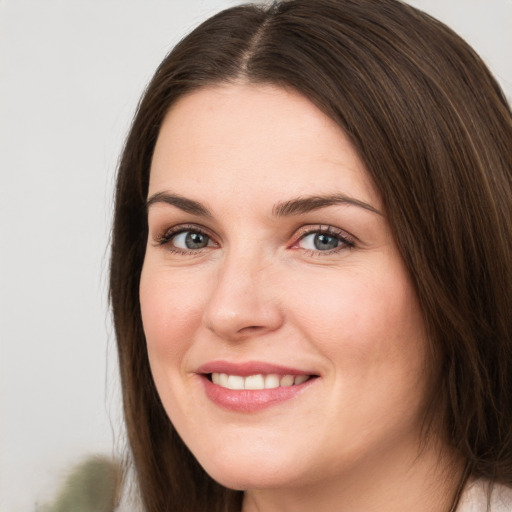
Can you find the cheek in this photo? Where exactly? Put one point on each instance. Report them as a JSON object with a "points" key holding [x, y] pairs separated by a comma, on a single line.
{"points": [[171, 310], [354, 301], [370, 329], [368, 324]]}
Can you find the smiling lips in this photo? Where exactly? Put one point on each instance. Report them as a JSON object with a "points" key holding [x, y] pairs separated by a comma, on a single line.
{"points": [[249, 387]]}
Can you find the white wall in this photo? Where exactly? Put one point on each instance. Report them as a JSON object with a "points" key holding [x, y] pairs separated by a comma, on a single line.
{"points": [[71, 74]]}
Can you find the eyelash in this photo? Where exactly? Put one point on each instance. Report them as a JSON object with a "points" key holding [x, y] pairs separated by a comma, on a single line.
{"points": [[166, 238], [344, 239]]}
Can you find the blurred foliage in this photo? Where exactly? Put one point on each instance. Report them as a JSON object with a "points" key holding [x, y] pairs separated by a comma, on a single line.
{"points": [[92, 486]]}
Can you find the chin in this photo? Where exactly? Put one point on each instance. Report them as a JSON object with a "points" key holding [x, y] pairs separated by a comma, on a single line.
{"points": [[240, 479], [242, 472]]}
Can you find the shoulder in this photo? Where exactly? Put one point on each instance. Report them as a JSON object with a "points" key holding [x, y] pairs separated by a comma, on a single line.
{"points": [[476, 497]]}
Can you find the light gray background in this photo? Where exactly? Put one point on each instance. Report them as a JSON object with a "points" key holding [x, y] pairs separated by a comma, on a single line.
{"points": [[71, 75]]}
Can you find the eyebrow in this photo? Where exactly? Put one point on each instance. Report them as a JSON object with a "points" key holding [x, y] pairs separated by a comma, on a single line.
{"points": [[289, 208], [187, 205], [308, 204]]}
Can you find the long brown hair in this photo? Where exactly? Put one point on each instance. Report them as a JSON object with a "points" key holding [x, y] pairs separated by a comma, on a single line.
{"points": [[435, 133]]}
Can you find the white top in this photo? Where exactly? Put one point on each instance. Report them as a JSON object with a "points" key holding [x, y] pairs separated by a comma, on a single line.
{"points": [[475, 496]]}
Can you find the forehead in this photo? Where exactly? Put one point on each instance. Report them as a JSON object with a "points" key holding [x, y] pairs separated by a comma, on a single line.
{"points": [[259, 137]]}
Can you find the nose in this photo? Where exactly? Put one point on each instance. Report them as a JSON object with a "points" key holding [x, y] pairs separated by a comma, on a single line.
{"points": [[244, 301]]}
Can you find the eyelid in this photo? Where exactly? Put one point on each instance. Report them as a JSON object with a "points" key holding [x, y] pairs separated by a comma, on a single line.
{"points": [[165, 236], [346, 238]]}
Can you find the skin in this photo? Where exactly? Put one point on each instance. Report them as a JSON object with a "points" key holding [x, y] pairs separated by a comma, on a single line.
{"points": [[260, 290]]}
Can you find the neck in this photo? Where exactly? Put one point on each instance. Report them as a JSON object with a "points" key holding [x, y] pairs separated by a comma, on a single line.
{"points": [[426, 481]]}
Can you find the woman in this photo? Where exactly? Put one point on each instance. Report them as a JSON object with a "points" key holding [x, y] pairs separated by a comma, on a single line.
{"points": [[311, 273]]}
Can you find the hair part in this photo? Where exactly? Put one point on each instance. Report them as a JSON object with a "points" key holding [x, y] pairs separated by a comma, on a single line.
{"points": [[434, 131]]}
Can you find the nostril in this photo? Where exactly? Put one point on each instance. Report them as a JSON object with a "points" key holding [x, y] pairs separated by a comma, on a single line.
{"points": [[251, 329]]}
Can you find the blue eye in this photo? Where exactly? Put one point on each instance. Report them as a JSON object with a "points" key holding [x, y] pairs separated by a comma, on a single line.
{"points": [[190, 240], [324, 241], [183, 240]]}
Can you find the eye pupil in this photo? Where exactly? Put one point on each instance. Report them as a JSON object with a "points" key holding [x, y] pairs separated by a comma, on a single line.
{"points": [[325, 242], [196, 240]]}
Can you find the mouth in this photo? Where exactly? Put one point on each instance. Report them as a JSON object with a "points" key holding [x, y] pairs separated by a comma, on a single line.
{"points": [[252, 386], [258, 381]]}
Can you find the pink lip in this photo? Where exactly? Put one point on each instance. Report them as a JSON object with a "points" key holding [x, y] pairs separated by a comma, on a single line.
{"points": [[246, 400], [248, 368]]}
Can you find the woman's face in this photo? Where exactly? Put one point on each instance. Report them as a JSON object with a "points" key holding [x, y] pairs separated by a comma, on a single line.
{"points": [[283, 332]]}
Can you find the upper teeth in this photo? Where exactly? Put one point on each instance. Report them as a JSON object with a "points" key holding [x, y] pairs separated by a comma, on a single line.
{"points": [[258, 381]]}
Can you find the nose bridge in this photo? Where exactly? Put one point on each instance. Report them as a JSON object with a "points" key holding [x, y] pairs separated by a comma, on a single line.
{"points": [[243, 300]]}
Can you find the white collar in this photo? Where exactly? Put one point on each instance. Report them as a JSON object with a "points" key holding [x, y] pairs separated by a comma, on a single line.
{"points": [[475, 497]]}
